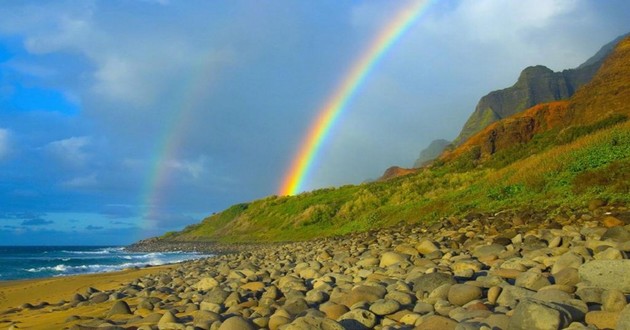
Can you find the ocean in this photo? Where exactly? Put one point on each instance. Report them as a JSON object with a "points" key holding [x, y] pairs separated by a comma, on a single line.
{"points": [[27, 262]]}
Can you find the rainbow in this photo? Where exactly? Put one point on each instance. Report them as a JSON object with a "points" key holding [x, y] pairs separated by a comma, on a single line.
{"points": [[329, 113], [183, 102]]}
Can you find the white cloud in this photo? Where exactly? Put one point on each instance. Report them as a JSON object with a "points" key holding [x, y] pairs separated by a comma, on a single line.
{"points": [[496, 20], [70, 151], [4, 143]]}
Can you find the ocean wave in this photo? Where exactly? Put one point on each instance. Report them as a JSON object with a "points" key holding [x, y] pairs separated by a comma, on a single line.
{"points": [[108, 250], [63, 269]]}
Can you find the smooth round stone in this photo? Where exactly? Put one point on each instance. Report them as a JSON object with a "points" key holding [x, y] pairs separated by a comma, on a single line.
{"points": [[460, 294], [384, 307], [119, 307], [437, 322], [332, 310], [391, 258], [236, 323], [613, 300], [493, 294], [276, 321], [358, 319], [602, 319]]}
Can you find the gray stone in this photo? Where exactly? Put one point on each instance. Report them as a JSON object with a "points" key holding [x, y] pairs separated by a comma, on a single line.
{"points": [[236, 323], [613, 300], [624, 319], [430, 282], [510, 295], [607, 274], [461, 294], [569, 259], [617, 234], [426, 246], [119, 307], [488, 250], [206, 284], [367, 293], [567, 276], [392, 258], [358, 319], [531, 280], [313, 323], [533, 314], [384, 307]]}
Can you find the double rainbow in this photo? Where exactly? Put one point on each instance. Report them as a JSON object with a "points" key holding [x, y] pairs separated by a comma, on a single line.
{"points": [[328, 114]]}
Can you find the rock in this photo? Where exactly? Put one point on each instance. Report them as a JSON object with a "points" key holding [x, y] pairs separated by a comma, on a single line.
{"points": [[607, 274], [119, 307], [206, 284], [602, 319], [426, 246], [168, 317], [617, 234], [487, 250], [236, 323], [253, 286], [461, 294], [569, 259], [610, 221], [608, 254], [276, 321], [613, 300], [437, 322], [358, 319], [391, 258], [533, 314], [623, 323], [206, 316], [99, 297], [430, 282], [406, 249], [384, 307], [77, 297], [332, 310], [493, 294], [531, 280], [511, 295], [567, 276], [295, 306], [366, 293], [595, 204], [313, 323]]}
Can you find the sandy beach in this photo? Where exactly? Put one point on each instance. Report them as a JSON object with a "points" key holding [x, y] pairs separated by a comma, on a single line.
{"points": [[46, 294]]}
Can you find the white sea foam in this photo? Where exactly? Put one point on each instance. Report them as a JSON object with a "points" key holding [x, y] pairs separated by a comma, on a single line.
{"points": [[142, 260]]}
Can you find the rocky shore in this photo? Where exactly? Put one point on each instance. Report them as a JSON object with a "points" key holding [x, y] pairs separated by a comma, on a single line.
{"points": [[568, 271]]}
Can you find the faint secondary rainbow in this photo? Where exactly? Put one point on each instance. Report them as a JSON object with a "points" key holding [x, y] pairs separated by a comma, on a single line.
{"points": [[328, 114], [184, 101]]}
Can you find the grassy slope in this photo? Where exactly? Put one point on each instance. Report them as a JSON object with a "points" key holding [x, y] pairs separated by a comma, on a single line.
{"points": [[552, 166]]}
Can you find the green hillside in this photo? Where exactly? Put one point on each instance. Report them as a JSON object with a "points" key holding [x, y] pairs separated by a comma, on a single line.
{"points": [[550, 158]]}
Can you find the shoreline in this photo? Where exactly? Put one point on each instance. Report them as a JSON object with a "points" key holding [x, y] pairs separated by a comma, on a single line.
{"points": [[38, 303], [477, 272]]}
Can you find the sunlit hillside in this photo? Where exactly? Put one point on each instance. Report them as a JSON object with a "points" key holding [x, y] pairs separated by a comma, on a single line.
{"points": [[553, 157]]}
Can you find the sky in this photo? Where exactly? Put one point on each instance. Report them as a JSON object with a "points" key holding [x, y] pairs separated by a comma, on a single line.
{"points": [[124, 119]]}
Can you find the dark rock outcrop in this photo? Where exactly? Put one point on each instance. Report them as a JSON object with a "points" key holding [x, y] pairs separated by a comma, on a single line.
{"points": [[536, 85]]}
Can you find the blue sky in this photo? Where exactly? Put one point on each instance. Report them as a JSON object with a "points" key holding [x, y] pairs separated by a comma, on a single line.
{"points": [[91, 90]]}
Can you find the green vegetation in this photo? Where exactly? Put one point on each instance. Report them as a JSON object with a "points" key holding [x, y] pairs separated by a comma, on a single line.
{"points": [[556, 169]]}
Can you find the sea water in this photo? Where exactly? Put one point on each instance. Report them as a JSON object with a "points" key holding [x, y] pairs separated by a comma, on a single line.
{"points": [[25, 262]]}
